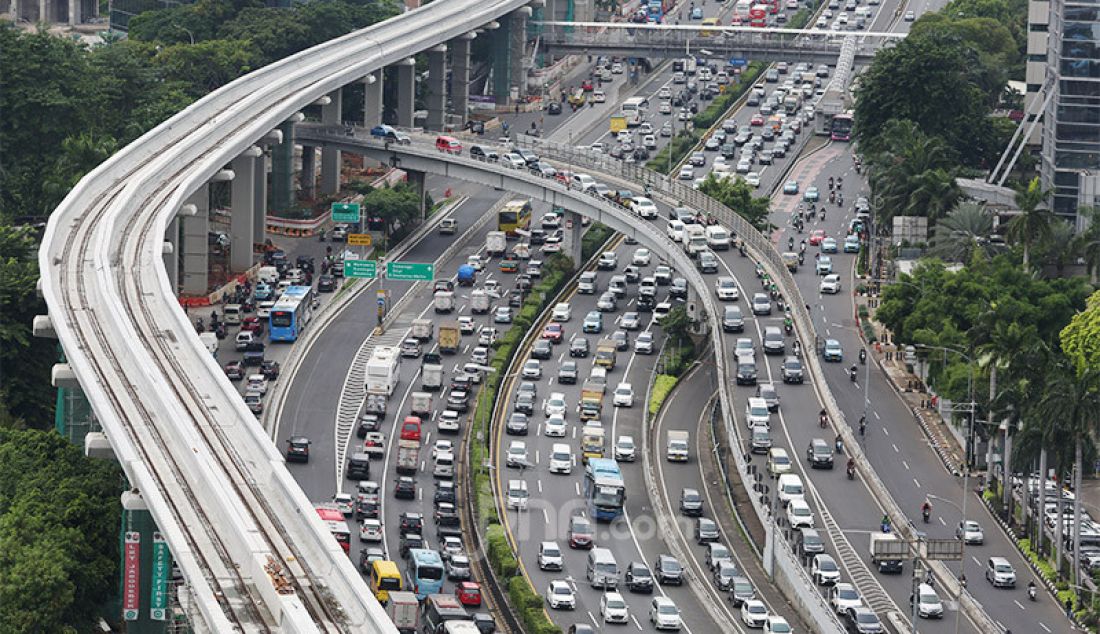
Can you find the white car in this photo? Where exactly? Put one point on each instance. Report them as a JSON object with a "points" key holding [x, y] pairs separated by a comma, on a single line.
{"points": [[664, 107], [560, 595], [687, 173], [449, 420], [550, 221], [844, 596], [532, 369], [744, 347], [517, 454], [625, 449], [824, 570], [598, 96], [263, 309], [726, 289], [625, 136], [970, 532], [555, 405], [778, 461], [257, 383], [929, 605], [799, 514], [561, 459], [664, 93], [663, 614], [753, 178], [830, 284], [624, 396], [613, 608], [641, 255], [370, 531], [562, 313], [777, 625], [442, 447], [512, 160], [754, 613], [344, 502], [556, 427]]}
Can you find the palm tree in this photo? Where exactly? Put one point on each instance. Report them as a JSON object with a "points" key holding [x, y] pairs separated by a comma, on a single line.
{"points": [[1088, 240], [913, 173], [963, 233], [1061, 249], [1032, 225]]}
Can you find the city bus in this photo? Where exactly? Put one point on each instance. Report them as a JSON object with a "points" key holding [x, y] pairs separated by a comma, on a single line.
{"points": [[516, 215], [840, 128], [604, 489], [424, 573], [632, 109], [290, 315], [384, 578], [337, 525]]}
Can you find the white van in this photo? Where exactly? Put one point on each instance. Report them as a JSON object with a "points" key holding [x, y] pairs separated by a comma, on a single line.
{"points": [[602, 571], [718, 239], [268, 274], [561, 458], [518, 495], [790, 488], [675, 231], [863, 12], [756, 413], [231, 314]]}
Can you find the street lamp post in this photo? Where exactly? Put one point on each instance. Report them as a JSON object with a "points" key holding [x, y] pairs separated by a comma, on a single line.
{"points": [[962, 552]]}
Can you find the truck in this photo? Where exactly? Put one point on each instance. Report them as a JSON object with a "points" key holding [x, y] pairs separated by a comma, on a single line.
{"points": [[888, 552], [408, 457], [467, 275], [404, 610], [695, 239], [605, 354], [382, 370], [431, 371], [496, 243], [676, 448], [421, 329], [690, 65], [449, 337], [718, 239], [479, 302], [421, 404], [444, 301], [618, 123], [792, 103], [742, 9], [592, 442], [439, 609], [591, 403], [758, 15]]}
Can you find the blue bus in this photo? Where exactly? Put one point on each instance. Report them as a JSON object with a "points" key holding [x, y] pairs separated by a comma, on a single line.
{"points": [[424, 573], [290, 315], [604, 489]]}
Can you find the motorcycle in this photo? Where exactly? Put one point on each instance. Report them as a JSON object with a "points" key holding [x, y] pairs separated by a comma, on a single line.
{"points": [[862, 357], [801, 258], [926, 513], [859, 168], [321, 235], [823, 421], [741, 250], [788, 328], [219, 331], [852, 374], [1031, 592], [797, 348], [199, 326], [851, 472]]}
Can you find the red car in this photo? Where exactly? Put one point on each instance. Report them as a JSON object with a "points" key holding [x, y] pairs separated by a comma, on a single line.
{"points": [[553, 332], [757, 119], [468, 593], [586, 85], [254, 324], [410, 429], [817, 236]]}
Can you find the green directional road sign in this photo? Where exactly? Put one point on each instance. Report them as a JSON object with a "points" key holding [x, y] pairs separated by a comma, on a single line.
{"points": [[411, 271], [361, 268], [345, 212]]}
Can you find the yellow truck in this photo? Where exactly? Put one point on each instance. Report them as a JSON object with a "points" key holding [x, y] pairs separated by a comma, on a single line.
{"points": [[618, 123], [449, 337], [591, 405], [605, 354], [592, 442]]}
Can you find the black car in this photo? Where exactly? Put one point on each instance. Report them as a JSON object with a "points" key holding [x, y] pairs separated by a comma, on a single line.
{"points": [[411, 523], [525, 403], [368, 556], [542, 349], [638, 578], [668, 570], [567, 373], [368, 509], [538, 236], [746, 372], [444, 492], [679, 289], [820, 454], [326, 284], [270, 369], [691, 503], [792, 370], [404, 488], [808, 543], [368, 422], [461, 382], [553, 108], [484, 622], [410, 541], [518, 424], [578, 347], [297, 449], [646, 303]]}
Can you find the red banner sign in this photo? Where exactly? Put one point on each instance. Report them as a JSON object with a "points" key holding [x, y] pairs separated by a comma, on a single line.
{"points": [[131, 576]]}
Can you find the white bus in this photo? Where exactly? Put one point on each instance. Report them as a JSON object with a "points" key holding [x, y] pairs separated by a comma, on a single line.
{"points": [[632, 109]]}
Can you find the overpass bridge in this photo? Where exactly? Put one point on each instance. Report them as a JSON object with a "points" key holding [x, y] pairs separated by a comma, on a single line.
{"points": [[816, 46]]}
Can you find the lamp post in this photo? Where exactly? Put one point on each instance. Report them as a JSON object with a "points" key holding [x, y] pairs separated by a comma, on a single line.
{"points": [[962, 551]]}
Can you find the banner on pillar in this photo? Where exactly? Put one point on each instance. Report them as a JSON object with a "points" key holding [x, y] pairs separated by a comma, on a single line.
{"points": [[131, 576], [162, 564]]}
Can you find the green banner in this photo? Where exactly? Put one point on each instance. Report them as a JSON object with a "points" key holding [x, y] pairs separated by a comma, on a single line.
{"points": [[162, 566]]}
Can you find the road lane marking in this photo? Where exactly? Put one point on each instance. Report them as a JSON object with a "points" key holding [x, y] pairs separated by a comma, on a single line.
{"points": [[906, 464], [1018, 604], [976, 560], [1043, 625], [941, 521], [896, 450], [877, 417], [916, 482]]}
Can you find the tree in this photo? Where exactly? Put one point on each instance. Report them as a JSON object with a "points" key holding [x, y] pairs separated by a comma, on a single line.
{"points": [[59, 525], [398, 206], [1032, 225], [207, 66], [913, 174], [79, 155], [1088, 241], [964, 234], [1080, 339], [740, 198]]}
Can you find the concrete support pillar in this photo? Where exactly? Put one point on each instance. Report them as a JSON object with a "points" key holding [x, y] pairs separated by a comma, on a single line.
{"points": [[406, 92], [44, 10], [309, 172], [172, 254], [259, 199], [74, 12], [330, 157], [146, 568], [572, 237], [194, 252], [460, 76], [517, 46], [282, 169], [242, 213], [418, 181], [437, 87], [372, 99], [15, 10]]}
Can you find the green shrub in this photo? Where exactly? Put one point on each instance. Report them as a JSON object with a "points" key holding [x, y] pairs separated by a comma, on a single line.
{"points": [[863, 312], [501, 557], [662, 385]]}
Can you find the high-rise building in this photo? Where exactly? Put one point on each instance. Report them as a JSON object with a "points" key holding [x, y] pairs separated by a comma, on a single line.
{"points": [[1063, 54]]}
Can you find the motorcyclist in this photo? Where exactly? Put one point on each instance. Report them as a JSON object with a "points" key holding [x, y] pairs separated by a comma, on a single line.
{"points": [[863, 425], [926, 510], [852, 372], [830, 183], [1031, 590], [823, 418], [797, 347], [862, 355], [802, 245], [790, 243], [885, 523], [839, 444]]}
